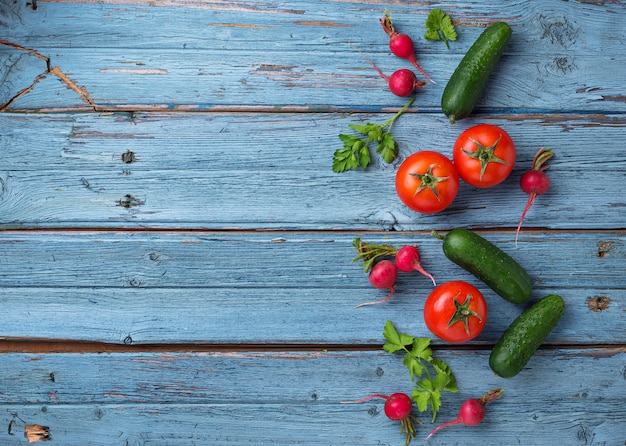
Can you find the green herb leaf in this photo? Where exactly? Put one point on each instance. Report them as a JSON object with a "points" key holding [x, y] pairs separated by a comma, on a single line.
{"points": [[344, 159], [444, 370], [421, 399], [416, 368], [436, 376], [421, 349], [363, 129], [395, 341], [355, 152], [439, 27], [427, 391], [364, 156], [388, 148], [348, 140]]}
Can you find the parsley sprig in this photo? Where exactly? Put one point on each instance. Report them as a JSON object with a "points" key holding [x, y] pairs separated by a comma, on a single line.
{"points": [[356, 150], [432, 376], [439, 27]]}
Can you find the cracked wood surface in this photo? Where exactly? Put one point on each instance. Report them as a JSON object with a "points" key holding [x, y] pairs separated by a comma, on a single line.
{"points": [[256, 53], [176, 253]]}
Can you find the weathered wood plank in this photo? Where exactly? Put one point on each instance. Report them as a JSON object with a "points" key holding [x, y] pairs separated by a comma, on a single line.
{"points": [[262, 55], [275, 81], [563, 396], [277, 287], [274, 171], [581, 26], [184, 163]]}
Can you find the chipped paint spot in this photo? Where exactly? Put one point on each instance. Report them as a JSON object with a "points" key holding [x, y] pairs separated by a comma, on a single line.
{"points": [[316, 23], [239, 25], [269, 67], [148, 71], [588, 89], [598, 304], [604, 248], [614, 98], [598, 353], [36, 432], [242, 6]]}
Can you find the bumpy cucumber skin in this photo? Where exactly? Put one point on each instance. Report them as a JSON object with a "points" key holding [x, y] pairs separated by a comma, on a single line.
{"points": [[489, 263], [525, 334], [467, 83]]}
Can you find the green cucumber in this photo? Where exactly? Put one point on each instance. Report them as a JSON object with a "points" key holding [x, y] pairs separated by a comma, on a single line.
{"points": [[489, 263], [467, 83], [525, 334]]}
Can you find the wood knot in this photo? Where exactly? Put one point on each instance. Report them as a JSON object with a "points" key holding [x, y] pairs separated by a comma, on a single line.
{"points": [[559, 30], [598, 303], [604, 248], [373, 411], [564, 64], [129, 157], [129, 201]]}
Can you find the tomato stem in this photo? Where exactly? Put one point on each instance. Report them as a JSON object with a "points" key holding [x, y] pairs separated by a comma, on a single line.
{"points": [[463, 312], [485, 155], [428, 180]]}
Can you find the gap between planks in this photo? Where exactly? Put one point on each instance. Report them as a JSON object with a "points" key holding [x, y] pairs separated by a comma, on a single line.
{"points": [[42, 346], [9, 229]]}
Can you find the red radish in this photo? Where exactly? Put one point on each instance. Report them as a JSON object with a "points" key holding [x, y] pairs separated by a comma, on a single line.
{"points": [[402, 82], [383, 275], [401, 45], [398, 407], [472, 411], [535, 182], [408, 260]]}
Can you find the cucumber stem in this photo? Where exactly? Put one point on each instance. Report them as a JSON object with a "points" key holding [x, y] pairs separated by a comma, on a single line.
{"points": [[437, 235]]}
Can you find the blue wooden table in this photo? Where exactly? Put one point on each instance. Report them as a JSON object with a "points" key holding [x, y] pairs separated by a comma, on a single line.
{"points": [[176, 252]]}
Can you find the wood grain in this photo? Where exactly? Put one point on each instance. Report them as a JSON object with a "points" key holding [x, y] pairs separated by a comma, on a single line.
{"points": [[256, 55], [290, 398], [248, 288], [273, 171], [176, 252]]}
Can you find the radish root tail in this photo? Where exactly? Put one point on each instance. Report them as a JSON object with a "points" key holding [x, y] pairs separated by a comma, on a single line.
{"points": [[425, 273], [531, 199], [378, 301], [441, 426]]}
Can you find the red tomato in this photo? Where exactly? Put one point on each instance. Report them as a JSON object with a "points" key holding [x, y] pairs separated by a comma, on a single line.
{"points": [[484, 155], [427, 182], [455, 311]]}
